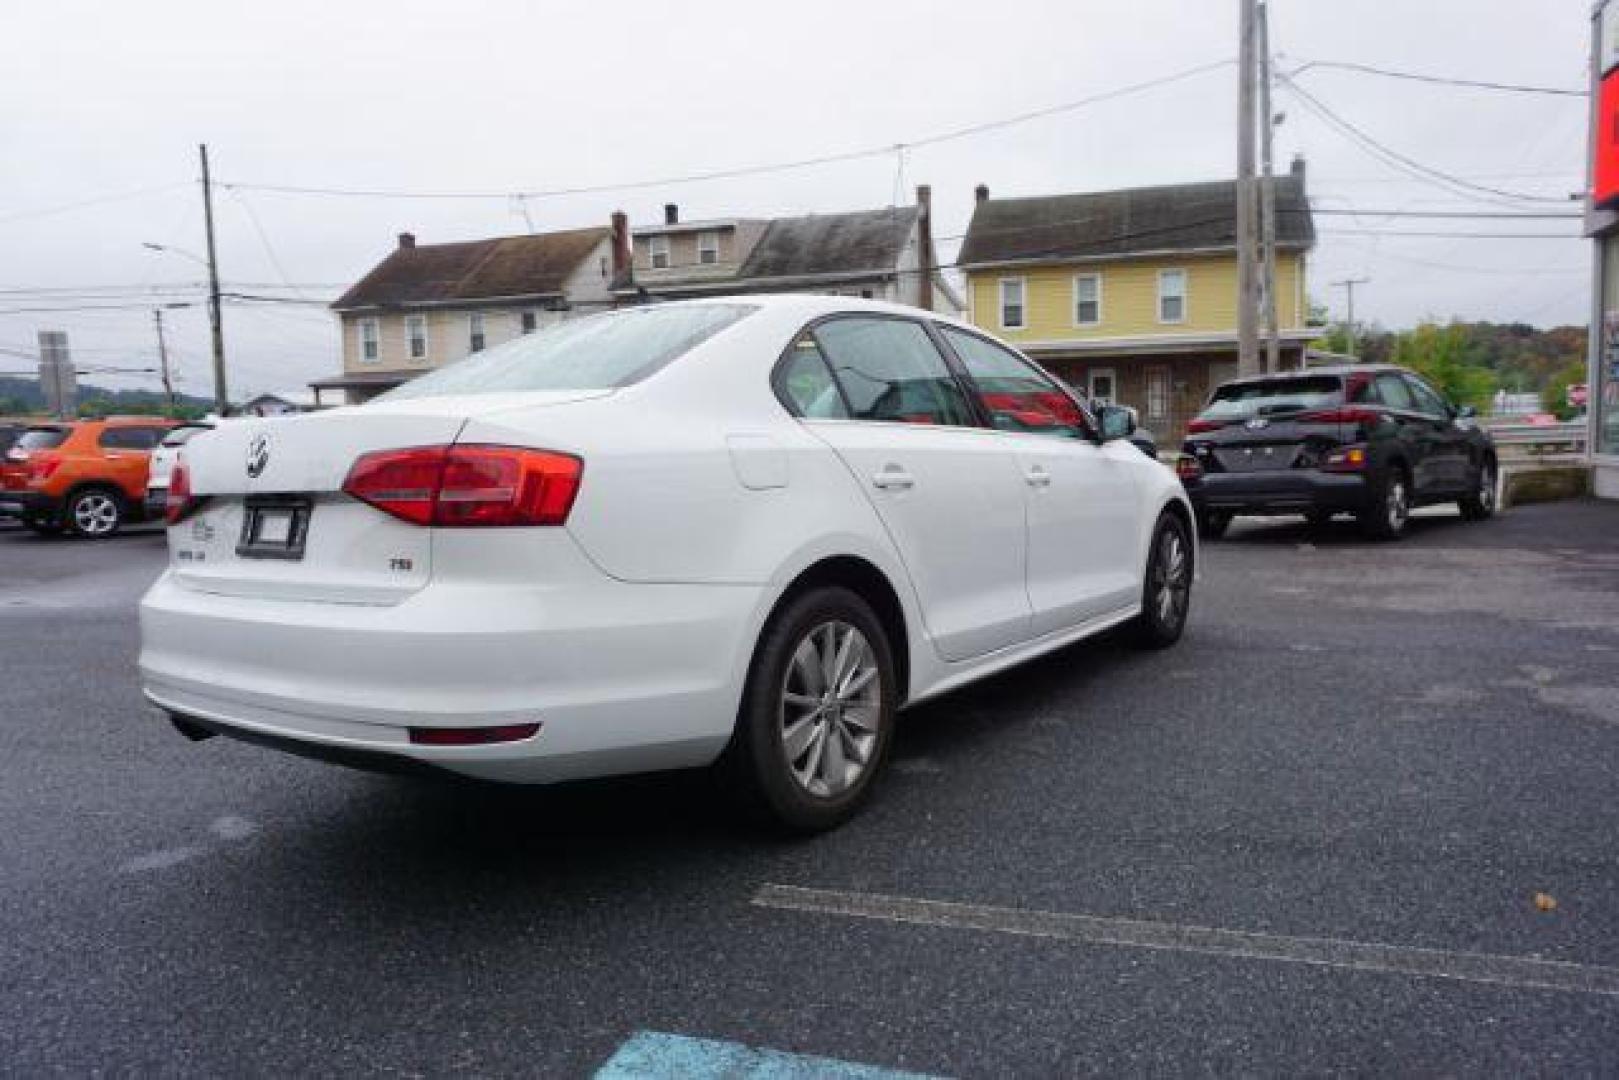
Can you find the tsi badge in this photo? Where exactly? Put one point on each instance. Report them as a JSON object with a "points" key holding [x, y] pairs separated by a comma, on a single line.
{"points": [[258, 455]]}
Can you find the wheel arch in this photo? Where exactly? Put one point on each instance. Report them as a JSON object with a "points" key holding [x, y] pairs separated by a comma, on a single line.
{"points": [[866, 580]]}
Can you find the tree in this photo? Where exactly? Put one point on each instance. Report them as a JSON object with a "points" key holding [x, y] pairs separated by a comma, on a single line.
{"points": [[1438, 353], [1554, 398]]}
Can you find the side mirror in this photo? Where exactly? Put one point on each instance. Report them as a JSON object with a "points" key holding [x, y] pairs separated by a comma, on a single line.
{"points": [[1466, 412], [1115, 422]]}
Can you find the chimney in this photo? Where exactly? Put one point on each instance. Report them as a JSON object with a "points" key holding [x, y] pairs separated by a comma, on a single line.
{"points": [[924, 246], [981, 193], [1297, 168], [671, 214], [407, 241], [621, 247]]}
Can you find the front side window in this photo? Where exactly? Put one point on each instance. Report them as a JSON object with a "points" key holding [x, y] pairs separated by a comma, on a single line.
{"points": [[416, 336], [806, 382], [708, 248], [1012, 303], [890, 370], [475, 336], [368, 341], [660, 252], [1171, 296], [1088, 300], [600, 352], [1427, 398], [1016, 395]]}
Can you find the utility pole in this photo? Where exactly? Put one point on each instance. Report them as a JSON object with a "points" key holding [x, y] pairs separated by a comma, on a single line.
{"points": [[221, 396], [1267, 196], [1247, 283], [1348, 285], [163, 359]]}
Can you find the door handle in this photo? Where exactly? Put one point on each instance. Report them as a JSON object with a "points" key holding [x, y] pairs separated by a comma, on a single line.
{"points": [[1038, 477], [893, 478]]}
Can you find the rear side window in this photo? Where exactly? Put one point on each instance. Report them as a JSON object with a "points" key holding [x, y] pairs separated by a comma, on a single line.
{"points": [[182, 435], [1016, 396], [43, 438], [130, 438], [890, 370], [1268, 397], [805, 382], [600, 352]]}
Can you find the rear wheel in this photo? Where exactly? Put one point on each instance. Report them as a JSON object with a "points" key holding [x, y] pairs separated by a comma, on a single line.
{"points": [[1212, 524], [1166, 594], [817, 714], [1481, 503], [95, 513], [1389, 511]]}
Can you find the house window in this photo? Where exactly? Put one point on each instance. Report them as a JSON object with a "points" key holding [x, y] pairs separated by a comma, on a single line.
{"points": [[1012, 303], [1171, 296], [1157, 393], [368, 341], [529, 321], [416, 336], [1088, 300], [660, 252], [708, 248], [1103, 386], [475, 338]]}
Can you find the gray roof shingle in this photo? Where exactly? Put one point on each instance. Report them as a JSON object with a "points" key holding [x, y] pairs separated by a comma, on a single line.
{"points": [[869, 240], [1134, 221], [533, 265]]}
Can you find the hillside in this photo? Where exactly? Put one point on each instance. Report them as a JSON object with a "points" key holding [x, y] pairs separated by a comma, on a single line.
{"points": [[23, 396]]}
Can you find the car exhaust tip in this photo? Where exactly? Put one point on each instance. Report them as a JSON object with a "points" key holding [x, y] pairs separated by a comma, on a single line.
{"points": [[190, 729]]}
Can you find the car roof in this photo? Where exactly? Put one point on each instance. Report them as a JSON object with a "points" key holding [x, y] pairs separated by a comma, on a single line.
{"points": [[1333, 370]]}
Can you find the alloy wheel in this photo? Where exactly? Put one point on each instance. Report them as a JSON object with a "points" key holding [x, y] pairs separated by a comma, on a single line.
{"points": [[1396, 505], [831, 705], [1486, 487], [1171, 579], [95, 514]]}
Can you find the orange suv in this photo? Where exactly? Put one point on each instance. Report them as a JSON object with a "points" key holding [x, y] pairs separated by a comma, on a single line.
{"points": [[87, 477]]}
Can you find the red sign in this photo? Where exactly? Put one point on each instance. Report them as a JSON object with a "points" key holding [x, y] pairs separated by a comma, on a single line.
{"points": [[1579, 395], [1605, 182]]}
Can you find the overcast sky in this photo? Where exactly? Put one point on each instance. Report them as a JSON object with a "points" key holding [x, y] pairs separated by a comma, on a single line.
{"points": [[111, 99]]}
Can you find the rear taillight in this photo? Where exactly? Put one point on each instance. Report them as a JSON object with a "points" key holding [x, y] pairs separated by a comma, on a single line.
{"points": [[178, 502], [1197, 426], [468, 485], [1347, 459], [41, 469], [1187, 468], [1345, 415]]}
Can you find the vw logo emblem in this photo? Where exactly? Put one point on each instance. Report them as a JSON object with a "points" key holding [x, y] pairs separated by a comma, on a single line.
{"points": [[258, 455], [1255, 423]]}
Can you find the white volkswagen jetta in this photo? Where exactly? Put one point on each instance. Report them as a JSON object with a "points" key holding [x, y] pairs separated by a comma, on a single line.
{"points": [[740, 532]]}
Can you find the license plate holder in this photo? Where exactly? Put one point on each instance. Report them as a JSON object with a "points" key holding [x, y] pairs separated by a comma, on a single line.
{"points": [[274, 527]]}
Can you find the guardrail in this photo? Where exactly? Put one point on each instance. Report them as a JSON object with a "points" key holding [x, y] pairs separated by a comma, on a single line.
{"points": [[1565, 442]]}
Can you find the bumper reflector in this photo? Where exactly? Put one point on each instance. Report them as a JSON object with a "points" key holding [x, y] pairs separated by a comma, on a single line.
{"points": [[472, 736]]}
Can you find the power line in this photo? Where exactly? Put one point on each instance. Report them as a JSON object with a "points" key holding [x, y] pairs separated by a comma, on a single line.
{"points": [[1469, 214], [1476, 84], [746, 170], [1452, 183], [62, 208], [1452, 235]]}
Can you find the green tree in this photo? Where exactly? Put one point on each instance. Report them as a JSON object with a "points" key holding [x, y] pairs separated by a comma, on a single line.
{"points": [[1439, 354], [1554, 398], [10, 406]]}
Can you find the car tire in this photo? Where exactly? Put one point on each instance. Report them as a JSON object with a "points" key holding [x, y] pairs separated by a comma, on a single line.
{"points": [[1389, 511], [94, 513], [794, 760], [1211, 524], [1166, 591], [1481, 503]]}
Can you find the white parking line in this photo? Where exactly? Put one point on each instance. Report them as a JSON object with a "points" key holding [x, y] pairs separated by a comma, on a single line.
{"points": [[1517, 972]]}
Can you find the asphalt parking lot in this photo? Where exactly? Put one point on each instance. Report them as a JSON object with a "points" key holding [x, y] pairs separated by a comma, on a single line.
{"points": [[1310, 838]]}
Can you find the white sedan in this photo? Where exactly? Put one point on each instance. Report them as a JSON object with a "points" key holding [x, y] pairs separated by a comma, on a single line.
{"points": [[740, 533]]}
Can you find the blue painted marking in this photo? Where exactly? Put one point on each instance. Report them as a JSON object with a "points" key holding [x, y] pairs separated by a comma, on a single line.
{"points": [[652, 1055]]}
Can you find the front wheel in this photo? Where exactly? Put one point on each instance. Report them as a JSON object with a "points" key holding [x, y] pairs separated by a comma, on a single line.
{"points": [[817, 714], [1480, 504], [95, 513], [1166, 594]]}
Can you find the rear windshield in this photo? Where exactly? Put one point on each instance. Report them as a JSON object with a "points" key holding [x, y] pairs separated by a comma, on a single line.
{"points": [[600, 352], [1266, 397], [43, 438], [181, 435]]}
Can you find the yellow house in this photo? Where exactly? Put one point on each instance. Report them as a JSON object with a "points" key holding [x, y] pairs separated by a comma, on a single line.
{"points": [[1131, 296]]}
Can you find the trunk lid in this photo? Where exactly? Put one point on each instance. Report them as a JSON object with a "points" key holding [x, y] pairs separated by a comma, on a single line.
{"points": [[261, 477]]}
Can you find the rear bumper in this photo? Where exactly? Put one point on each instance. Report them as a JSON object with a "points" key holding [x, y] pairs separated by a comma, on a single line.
{"points": [[156, 501], [1283, 491], [622, 678], [25, 503]]}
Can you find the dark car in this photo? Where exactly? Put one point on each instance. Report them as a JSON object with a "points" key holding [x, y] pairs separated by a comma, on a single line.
{"points": [[10, 432], [1369, 440]]}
